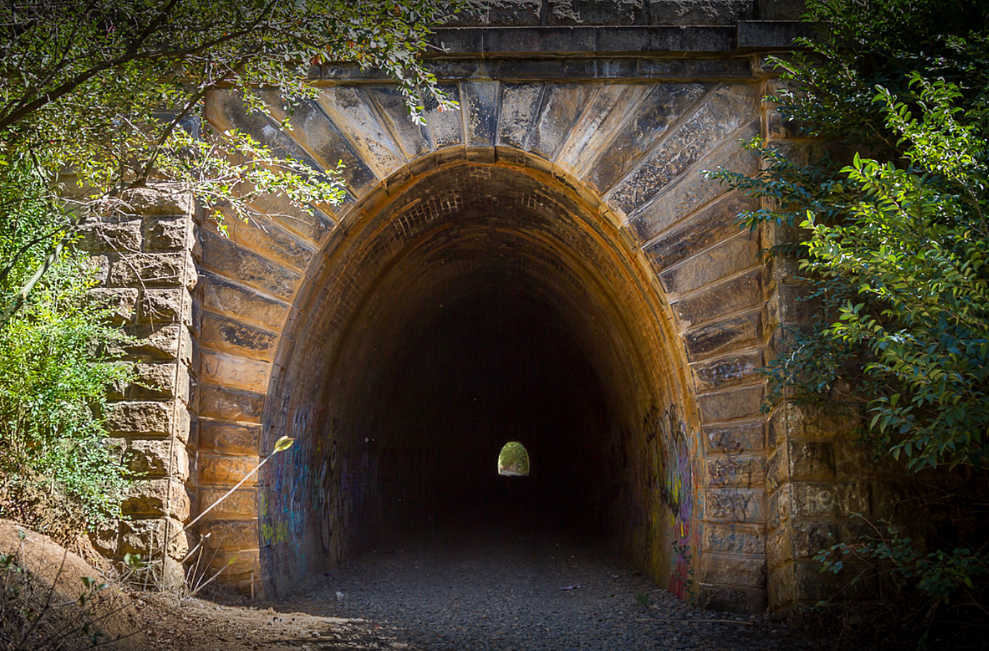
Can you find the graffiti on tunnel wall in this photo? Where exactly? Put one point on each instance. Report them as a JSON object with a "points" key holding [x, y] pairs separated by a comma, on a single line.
{"points": [[667, 440], [306, 524]]}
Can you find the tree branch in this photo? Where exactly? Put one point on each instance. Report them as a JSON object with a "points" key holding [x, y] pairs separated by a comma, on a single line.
{"points": [[131, 53]]}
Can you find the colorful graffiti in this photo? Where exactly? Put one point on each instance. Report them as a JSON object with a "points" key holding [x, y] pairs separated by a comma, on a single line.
{"points": [[317, 498], [669, 446]]}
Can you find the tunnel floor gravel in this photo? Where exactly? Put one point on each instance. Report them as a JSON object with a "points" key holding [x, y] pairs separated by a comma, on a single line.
{"points": [[529, 591]]}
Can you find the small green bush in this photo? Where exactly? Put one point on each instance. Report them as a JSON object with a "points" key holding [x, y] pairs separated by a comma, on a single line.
{"points": [[58, 472]]}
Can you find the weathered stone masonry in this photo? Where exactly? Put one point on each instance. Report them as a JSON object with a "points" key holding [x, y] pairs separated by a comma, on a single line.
{"points": [[565, 202], [145, 255]]}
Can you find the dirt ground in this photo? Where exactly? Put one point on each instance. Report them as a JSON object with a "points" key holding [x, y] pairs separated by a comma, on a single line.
{"points": [[467, 591], [133, 620], [441, 593], [194, 624]]}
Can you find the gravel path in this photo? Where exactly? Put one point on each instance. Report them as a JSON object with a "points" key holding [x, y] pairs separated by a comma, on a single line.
{"points": [[530, 591]]}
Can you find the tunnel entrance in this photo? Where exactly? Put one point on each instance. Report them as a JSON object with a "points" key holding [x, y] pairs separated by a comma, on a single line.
{"points": [[477, 304]]}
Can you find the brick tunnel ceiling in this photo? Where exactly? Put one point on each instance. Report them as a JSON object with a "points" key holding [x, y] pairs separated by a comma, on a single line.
{"points": [[479, 306]]}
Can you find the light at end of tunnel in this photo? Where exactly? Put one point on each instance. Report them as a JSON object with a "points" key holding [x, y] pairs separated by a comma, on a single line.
{"points": [[513, 460]]}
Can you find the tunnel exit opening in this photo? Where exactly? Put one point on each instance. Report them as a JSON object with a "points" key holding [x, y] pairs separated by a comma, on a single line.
{"points": [[513, 460], [477, 301]]}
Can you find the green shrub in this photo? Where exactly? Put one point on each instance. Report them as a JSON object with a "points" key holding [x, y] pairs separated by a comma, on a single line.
{"points": [[890, 224], [57, 470]]}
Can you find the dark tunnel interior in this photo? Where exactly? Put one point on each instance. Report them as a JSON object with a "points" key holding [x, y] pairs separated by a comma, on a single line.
{"points": [[457, 361], [491, 367], [489, 310]]}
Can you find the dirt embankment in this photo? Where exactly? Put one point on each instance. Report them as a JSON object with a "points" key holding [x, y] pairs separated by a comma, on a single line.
{"points": [[50, 598]]}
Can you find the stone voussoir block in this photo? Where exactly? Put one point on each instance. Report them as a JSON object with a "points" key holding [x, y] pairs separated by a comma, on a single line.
{"points": [[734, 539], [242, 504], [231, 438], [230, 534], [714, 338], [267, 238], [227, 404], [238, 566], [735, 470], [690, 195], [746, 505], [738, 403], [233, 261], [721, 261], [226, 470], [749, 436], [733, 295], [724, 371], [743, 571], [234, 371], [228, 335]]}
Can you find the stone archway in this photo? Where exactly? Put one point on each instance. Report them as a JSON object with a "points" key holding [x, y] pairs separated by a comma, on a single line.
{"points": [[425, 283], [621, 160], [639, 266]]}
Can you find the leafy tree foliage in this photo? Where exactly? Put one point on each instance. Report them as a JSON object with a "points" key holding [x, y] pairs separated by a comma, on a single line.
{"points": [[113, 91], [56, 471], [894, 218], [891, 233], [101, 96]]}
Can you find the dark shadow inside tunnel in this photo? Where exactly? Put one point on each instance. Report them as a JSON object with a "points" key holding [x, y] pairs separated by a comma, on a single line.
{"points": [[494, 365]]}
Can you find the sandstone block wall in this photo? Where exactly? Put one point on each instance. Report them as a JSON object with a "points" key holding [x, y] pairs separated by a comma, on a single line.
{"points": [[818, 476], [146, 253]]}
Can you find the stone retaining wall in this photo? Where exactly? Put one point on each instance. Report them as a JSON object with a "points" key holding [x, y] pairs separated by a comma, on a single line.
{"points": [[818, 477], [146, 255]]}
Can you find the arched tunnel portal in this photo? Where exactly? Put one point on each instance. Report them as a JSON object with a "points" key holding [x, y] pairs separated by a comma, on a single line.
{"points": [[473, 305], [549, 264]]}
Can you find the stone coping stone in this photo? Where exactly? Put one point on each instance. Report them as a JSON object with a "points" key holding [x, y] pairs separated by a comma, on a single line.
{"points": [[771, 34], [611, 40]]}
